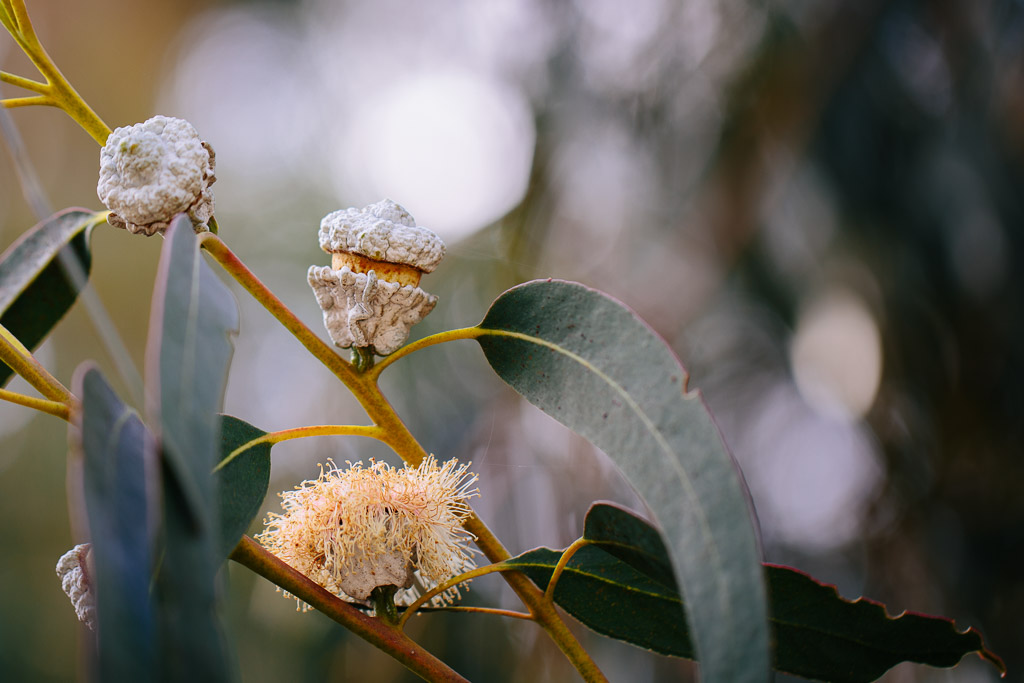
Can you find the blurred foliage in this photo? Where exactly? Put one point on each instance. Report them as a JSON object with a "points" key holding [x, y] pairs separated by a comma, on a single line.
{"points": [[715, 168]]}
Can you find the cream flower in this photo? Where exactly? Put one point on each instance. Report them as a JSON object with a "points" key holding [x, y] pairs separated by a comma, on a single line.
{"points": [[370, 293], [152, 171], [73, 570], [356, 529]]}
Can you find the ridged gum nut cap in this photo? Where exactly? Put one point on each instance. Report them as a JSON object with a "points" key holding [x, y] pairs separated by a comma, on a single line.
{"points": [[383, 232]]}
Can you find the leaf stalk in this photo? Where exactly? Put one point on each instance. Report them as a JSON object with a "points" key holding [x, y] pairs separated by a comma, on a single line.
{"points": [[21, 360], [368, 431], [55, 408]]}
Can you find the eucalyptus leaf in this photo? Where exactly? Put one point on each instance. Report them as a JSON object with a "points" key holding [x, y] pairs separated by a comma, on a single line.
{"points": [[612, 598], [822, 636], [616, 587], [591, 363], [193, 320], [242, 483], [36, 287], [118, 470]]}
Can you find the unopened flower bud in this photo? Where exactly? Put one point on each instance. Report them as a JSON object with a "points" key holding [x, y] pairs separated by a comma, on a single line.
{"points": [[152, 171], [73, 570], [370, 294]]}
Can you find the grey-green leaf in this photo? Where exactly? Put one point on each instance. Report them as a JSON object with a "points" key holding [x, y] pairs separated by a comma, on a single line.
{"points": [[193, 320], [118, 471], [590, 362], [41, 276], [242, 483]]}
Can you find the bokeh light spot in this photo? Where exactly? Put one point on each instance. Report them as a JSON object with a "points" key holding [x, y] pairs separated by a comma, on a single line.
{"points": [[453, 147], [836, 355]]}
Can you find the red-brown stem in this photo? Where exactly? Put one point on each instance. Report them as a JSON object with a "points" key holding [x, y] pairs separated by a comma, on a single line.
{"points": [[251, 554]]}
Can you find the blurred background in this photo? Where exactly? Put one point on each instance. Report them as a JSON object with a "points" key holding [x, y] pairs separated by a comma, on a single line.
{"points": [[817, 203]]}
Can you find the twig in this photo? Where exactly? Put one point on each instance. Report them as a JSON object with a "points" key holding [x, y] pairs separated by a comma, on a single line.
{"points": [[302, 433], [55, 408], [251, 554]]}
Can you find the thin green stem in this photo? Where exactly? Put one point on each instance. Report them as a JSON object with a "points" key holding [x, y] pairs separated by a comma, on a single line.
{"points": [[432, 340], [362, 358], [442, 587], [68, 99], [482, 610], [368, 431], [21, 360], [26, 83], [55, 408], [57, 91], [383, 599], [378, 632], [21, 18], [7, 17], [34, 100], [563, 561]]}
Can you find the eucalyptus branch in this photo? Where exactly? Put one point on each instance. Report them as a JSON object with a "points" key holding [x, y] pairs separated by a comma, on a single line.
{"points": [[302, 433], [378, 632], [57, 91], [55, 408], [394, 433]]}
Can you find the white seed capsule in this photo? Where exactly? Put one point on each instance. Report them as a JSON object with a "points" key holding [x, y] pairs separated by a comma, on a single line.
{"points": [[73, 570], [154, 170], [370, 294]]}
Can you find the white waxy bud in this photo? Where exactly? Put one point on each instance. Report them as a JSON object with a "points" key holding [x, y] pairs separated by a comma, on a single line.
{"points": [[370, 294], [73, 570], [154, 170]]}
